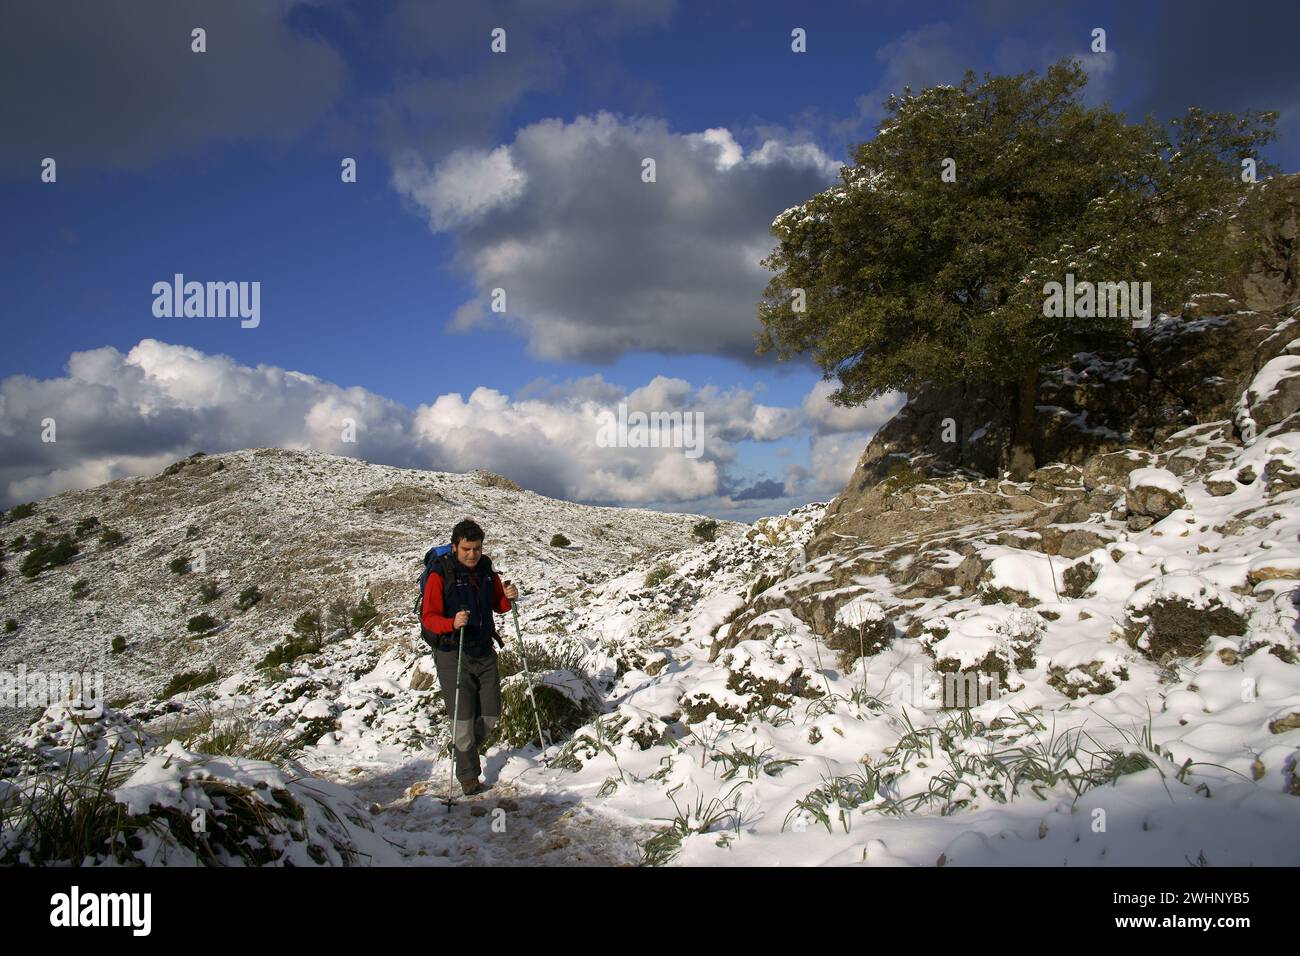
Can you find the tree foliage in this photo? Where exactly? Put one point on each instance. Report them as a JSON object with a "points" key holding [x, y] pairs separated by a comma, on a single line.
{"points": [[908, 280]]}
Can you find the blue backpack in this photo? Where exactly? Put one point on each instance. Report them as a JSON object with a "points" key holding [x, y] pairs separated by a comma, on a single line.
{"points": [[438, 557]]}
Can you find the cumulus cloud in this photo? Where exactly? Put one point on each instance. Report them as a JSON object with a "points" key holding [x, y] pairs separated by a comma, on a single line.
{"points": [[119, 414], [827, 419], [92, 83], [593, 261]]}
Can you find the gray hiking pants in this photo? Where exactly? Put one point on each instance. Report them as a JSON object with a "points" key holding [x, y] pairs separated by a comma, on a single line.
{"points": [[480, 705]]}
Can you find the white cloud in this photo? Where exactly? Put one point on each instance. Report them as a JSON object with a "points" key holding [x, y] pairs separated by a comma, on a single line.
{"points": [[124, 414], [827, 419], [463, 188], [594, 261]]}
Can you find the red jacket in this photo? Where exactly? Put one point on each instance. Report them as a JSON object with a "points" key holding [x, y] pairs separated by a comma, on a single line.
{"points": [[431, 614]]}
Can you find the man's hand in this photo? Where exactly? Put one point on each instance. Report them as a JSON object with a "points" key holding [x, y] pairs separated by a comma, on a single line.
{"points": [[461, 620], [512, 592]]}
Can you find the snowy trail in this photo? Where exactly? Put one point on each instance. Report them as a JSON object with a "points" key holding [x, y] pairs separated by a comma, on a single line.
{"points": [[509, 825]]}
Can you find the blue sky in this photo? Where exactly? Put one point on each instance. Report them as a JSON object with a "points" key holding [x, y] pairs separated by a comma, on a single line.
{"points": [[225, 166]]}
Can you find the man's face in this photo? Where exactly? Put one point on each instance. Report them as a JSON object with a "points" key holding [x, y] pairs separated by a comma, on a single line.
{"points": [[468, 552]]}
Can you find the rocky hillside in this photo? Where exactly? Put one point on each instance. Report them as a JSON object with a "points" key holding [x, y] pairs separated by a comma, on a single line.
{"points": [[304, 529]]}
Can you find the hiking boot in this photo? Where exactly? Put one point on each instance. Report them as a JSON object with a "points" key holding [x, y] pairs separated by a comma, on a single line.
{"points": [[471, 786]]}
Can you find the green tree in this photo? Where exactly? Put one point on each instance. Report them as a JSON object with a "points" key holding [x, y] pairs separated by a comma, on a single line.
{"points": [[308, 627], [898, 279], [365, 612], [338, 616]]}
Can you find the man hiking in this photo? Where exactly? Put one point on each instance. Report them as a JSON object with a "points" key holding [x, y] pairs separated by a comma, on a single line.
{"points": [[460, 595]]}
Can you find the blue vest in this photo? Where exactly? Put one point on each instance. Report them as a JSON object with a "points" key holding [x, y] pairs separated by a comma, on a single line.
{"points": [[469, 590]]}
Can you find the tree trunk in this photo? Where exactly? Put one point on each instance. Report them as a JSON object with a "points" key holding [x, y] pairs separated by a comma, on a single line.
{"points": [[1021, 457]]}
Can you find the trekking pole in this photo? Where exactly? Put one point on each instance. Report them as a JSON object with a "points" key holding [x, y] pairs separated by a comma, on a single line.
{"points": [[451, 779], [541, 740]]}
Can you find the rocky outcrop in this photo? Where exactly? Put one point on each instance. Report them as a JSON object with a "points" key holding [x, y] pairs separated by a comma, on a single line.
{"points": [[1180, 395]]}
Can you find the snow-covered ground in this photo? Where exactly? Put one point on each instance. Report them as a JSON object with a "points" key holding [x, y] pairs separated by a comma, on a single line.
{"points": [[707, 747]]}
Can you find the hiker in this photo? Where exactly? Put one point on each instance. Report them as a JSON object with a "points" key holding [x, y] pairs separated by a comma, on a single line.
{"points": [[462, 591]]}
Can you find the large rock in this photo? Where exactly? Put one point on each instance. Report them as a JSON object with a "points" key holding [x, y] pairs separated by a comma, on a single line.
{"points": [[1274, 393], [1154, 493]]}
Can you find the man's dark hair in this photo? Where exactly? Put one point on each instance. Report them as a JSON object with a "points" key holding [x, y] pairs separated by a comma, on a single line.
{"points": [[466, 530]]}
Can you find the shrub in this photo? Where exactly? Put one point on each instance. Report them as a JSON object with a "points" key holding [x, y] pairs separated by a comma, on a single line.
{"points": [[176, 467], [706, 530], [179, 565], [80, 589], [560, 541], [248, 597], [308, 626], [201, 623], [338, 616], [119, 644], [86, 525], [191, 532], [288, 651], [1179, 628], [48, 555], [18, 512], [10, 626], [209, 592], [658, 575], [110, 538], [364, 614], [19, 542], [865, 640], [190, 680]]}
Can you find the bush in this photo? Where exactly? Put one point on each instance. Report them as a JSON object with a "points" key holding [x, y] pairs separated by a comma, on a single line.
{"points": [[48, 555], [658, 575], [18, 512], [86, 525], [177, 466], [80, 589], [364, 614], [119, 644], [201, 623], [560, 541], [190, 680], [308, 626], [706, 530], [288, 651], [338, 616], [19, 542], [209, 592], [110, 538], [191, 532], [248, 597], [179, 565], [10, 626]]}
